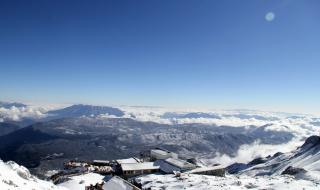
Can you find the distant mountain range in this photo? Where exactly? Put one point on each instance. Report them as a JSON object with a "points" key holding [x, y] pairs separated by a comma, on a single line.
{"points": [[88, 138], [85, 110], [8, 105], [24, 116]]}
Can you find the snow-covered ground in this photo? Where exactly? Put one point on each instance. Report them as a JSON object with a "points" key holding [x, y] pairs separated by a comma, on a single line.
{"points": [[80, 181], [267, 175], [307, 157], [15, 177], [230, 182]]}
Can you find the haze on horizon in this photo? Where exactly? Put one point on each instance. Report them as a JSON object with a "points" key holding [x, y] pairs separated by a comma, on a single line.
{"points": [[253, 54]]}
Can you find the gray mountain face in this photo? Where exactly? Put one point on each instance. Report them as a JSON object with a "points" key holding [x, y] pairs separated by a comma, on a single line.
{"points": [[72, 111], [6, 128], [89, 138], [84, 110]]}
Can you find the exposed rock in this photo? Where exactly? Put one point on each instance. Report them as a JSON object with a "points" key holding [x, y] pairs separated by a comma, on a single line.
{"points": [[277, 154], [293, 171], [312, 141], [236, 167], [257, 161]]}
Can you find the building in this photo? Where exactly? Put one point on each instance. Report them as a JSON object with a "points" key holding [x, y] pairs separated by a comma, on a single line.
{"points": [[104, 170], [134, 169], [117, 167], [101, 162], [161, 154], [74, 164], [117, 183], [171, 165]]}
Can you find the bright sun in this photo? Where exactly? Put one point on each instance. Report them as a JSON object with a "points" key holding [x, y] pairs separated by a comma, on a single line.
{"points": [[270, 16]]}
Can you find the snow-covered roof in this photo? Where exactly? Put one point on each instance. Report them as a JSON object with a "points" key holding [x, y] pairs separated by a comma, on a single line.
{"points": [[139, 166], [166, 167], [117, 183], [161, 152], [180, 163], [128, 161]]}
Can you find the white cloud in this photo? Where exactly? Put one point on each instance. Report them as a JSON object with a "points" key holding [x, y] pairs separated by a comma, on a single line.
{"points": [[248, 152], [16, 114]]}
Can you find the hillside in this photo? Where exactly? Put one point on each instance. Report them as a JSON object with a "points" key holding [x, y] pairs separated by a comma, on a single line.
{"points": [[111, 138], [6, 128], [294, 170], [15, 177], [302, 163]]}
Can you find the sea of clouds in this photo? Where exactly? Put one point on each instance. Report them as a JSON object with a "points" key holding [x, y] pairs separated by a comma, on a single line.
{"points": [[301, 126]]}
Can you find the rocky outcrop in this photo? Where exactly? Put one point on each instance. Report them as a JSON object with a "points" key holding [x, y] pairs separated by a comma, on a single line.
{"points": [[311, 142], [258, 160], [293, 171]]}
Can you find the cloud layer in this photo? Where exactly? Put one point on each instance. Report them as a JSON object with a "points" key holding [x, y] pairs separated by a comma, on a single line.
{"points": [[300, 126], [18, 113]]}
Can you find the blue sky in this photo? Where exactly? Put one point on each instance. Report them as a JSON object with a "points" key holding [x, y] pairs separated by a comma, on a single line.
{"points": [[213, 54]]}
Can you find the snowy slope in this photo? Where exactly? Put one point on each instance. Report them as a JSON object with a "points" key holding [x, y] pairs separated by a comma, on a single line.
{"points": [[80, 181], [306, 157], [13, 176], [266, 175], [201, 182], [16, 177]]}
